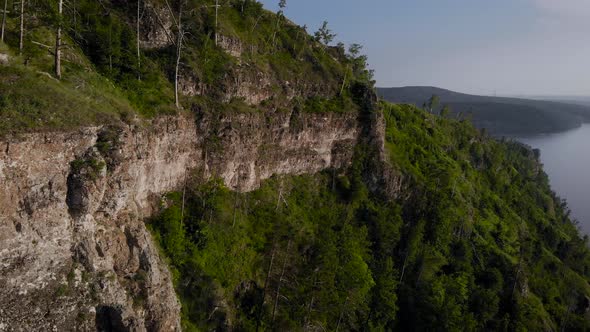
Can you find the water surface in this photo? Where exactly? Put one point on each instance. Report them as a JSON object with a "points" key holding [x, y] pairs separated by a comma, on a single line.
{"points": [[566, 159]]}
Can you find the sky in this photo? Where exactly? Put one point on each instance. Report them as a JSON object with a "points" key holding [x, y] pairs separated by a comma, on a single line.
{"points": [[503, 47]]}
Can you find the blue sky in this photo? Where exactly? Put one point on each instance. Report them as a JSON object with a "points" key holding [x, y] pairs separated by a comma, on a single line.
{"points": [[508, 47]]}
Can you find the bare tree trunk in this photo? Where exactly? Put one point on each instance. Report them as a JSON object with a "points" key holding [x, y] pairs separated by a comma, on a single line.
{"points": [[256, 23], [178, 54], [279, 198], [272, 258], [183, 200], [58, 42], [111, 47], [341, 314], [138, 52], [21, 44], [305, 321], [235, 209], [216, 19], [4, 20], [310, 307], [276, 30], [565, 321], [176, 101], [75, 23], [278, 294], [344, 82], [518, 271], [401, 278]]}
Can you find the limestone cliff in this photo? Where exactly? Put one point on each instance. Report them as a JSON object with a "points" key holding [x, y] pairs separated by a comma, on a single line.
{"points": [[73, 246], [74, 251]]}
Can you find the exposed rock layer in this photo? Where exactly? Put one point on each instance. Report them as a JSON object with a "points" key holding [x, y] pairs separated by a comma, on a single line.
{"points": [[74, 250]]}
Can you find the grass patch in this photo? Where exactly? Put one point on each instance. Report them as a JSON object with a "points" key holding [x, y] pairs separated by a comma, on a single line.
{"points": [[340, 104], [31, 100]]}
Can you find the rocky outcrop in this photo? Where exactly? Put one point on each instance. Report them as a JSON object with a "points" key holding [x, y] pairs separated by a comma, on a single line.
{"points": [[252, 82], [378, 174], [244, 83], [74, 250], [3, 59], [73, 244], [253, 86], [245, 148], [231, 45]]}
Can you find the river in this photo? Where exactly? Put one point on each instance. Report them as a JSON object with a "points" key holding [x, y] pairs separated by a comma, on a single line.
{"points": [[566, 159]]}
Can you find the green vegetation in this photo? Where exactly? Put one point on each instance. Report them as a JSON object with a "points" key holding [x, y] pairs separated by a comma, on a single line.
{"points": [[495, 244], [334, 105], [62, 290], [30, 99], [104, 80], [91, 166], [479, 243], [279, 242]]}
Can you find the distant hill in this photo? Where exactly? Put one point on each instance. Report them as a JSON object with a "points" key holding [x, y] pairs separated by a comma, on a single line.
{"points": [[578, 100], [501, 116]]}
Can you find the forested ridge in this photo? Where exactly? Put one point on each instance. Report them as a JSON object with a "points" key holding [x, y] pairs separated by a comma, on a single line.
{"points": [[474, 240], [498, 115]]}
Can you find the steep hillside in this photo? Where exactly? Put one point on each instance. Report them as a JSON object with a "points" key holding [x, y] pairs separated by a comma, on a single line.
{"points": [[499, 115], [86, 157], [273, 192], [472, 239]]}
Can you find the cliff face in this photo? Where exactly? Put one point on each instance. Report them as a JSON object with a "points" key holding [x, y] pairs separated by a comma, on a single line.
{"points": [[244, 149], [74, 250], [73, 245]]}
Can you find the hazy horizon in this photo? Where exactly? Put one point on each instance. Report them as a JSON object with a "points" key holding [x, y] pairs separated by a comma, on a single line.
{"points": [[530, 96], [504, 47]]}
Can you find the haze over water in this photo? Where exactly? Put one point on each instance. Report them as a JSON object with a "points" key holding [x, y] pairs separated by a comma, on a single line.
{"points": [[566, 159]]}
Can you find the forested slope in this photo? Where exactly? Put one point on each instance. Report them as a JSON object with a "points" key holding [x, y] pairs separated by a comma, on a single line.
{"points": [[132, 60], [476, 241], [470, 237]]}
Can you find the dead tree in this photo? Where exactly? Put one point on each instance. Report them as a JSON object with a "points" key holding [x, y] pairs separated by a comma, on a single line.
{"points": [[74, 18], [278, 294], [58, 41], [21, 44], [401, 278], [138, 50], [4, 20], [178, 54], [217, 5], [344, 80], [216, 19], [342, 313], [261, 306], [282, 5], [310, 306], [183, 200]]}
